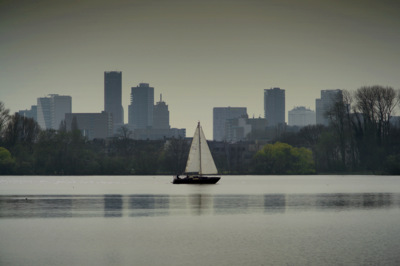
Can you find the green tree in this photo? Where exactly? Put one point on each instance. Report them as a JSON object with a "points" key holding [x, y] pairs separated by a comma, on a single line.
{"points": [[7, 163], [281, 158]]}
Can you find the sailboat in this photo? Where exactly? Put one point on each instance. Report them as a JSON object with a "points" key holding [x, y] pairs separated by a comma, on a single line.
{"points": [[200, 162]]}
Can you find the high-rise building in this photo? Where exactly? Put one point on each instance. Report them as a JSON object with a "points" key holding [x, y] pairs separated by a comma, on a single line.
{"points": [[44, 112], [51, 110], [274, 106], [161, 115], [32, 113], [301, 116], [92, 125], [141, 107], [220, 117], [60, 105], [113, 96], [322, 105]]}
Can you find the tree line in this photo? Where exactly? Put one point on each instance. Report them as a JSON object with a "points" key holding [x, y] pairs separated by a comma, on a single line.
{"points": [[362, 136], [359, 139]]}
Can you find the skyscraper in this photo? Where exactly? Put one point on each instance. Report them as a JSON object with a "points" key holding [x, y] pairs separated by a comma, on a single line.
{"points": [[274, 106], [141, 107], [51, 110], [44, 112], [322, 105], [161, 115], [113, 96], [221, 115]]}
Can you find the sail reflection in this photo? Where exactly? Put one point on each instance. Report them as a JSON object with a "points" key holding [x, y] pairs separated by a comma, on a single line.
{"points": [[113, 206]]}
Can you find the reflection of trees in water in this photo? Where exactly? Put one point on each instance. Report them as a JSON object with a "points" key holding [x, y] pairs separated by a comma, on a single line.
{"points": [[148, 205], [64, 206], [112, 206]]}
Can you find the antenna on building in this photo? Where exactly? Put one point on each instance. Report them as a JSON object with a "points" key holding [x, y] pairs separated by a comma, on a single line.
{"points": [[160, 97]]}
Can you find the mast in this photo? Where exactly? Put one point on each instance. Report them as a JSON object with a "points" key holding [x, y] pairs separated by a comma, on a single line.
{"points": [[198, 127]]}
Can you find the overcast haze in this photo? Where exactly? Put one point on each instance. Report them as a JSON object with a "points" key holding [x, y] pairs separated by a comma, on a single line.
{"points": [[198, 54]]}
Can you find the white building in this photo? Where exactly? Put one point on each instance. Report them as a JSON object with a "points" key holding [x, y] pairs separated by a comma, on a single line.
{"points": [[301, 116]]}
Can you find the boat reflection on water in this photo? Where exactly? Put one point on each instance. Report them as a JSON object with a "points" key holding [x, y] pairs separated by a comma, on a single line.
{"points": [[63, 206]]}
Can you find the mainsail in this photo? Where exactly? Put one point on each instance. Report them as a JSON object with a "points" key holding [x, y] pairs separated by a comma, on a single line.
{"points": [[200, 159]]}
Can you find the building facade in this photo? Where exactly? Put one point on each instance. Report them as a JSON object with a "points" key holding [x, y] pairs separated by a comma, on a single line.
{"points": [[141, 107], [161, 115], [323, 104], [220, 117], [44, 112], [51, 110], [244, 129], [92, 125], [113, 97], [32, 113], [274, 106], [301, 116]]}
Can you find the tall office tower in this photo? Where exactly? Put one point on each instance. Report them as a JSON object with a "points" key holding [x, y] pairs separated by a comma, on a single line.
{"points": [[141, 107], [301, 116], [274, 106], [44, 113], [51, 110], [113, 96], [322, 105], [161, 115], [60, 105], [221, 115]]}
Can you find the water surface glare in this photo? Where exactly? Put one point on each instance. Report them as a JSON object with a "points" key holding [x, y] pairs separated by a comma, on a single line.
{"points": [[243, 220]]}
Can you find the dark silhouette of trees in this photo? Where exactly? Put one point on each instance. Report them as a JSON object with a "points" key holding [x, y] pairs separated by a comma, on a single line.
{"points": [[360, 134], [21, 130], [4, 118], [175, 155], [361, 138], [19, 137], [373, 109]]}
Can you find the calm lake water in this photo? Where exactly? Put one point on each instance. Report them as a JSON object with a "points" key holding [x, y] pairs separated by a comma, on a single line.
{"points": [[243, 220]]}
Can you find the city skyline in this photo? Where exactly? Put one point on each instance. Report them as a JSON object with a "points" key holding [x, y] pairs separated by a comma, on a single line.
{"points": [[198, 54]]}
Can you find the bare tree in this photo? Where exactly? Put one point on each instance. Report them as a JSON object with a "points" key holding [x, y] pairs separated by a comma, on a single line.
{"points": [[124, 133], [4, 118], [21, 130], [376, 105]]}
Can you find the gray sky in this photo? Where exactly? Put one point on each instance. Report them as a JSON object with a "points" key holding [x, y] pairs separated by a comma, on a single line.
{"points": [[198, 54]]}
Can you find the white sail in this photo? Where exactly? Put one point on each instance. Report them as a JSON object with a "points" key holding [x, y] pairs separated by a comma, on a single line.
{"points": [[207, 162], [200, 159], [193, 162]]}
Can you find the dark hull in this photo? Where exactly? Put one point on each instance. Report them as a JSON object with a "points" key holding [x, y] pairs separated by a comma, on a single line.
{"points": [[196, 180]]}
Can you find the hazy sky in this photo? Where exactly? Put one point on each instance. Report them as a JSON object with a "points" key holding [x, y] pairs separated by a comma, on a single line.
{"points": [[199, 54]]}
